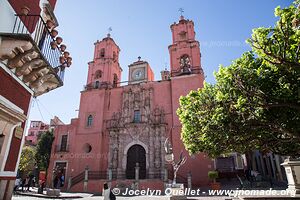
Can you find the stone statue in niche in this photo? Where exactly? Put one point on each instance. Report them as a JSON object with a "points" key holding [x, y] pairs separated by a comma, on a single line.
{"points": [[147, 101], [126, 104], [185, 64]]}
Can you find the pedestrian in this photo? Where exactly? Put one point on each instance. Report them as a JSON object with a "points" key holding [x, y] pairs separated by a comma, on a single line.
{"points": [[55, 182], [108, 195], [18, 182], [23, 184], [29, 183], [62, 180]]}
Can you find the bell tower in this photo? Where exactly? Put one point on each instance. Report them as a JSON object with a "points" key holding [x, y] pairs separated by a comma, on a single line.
{"points": [[105, 70], [185, 56]]}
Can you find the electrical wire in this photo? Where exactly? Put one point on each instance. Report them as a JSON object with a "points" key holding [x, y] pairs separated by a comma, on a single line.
{"points": [[50, 114], [39, 110]]}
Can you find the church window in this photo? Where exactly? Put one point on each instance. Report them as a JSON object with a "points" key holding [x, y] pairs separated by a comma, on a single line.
{"points": [[137, 116], [98, 74], [89, 121], [102, 53], [97, 84], [87, 148]]}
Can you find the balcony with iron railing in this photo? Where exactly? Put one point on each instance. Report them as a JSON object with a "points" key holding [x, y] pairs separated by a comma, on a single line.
{"points": [[34, 53]]}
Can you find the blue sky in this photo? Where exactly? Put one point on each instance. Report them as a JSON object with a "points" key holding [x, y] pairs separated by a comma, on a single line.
{"points": [[142, 28]]}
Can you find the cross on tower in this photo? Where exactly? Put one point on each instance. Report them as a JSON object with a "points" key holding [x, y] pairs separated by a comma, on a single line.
{"points": [[181, 11], [109, 31]]}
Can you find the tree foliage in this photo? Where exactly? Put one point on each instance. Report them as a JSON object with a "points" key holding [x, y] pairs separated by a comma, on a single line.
{"points": [[43, 150], [27, 161], [255, 103]]}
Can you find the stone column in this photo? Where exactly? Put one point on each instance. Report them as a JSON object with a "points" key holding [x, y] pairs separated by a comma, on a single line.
{"points": [[109, 174], [86, 179], [157, 147], [120, 170], [166, 175], [151, 153], [189, 179], [162, 149], [292, 170], [137, 172], [109, 177]]}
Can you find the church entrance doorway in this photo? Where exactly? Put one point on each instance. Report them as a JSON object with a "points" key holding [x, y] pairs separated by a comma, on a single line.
{"points": [[136, 154]]}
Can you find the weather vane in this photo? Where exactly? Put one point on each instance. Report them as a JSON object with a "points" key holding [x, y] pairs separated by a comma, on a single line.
{"points": [[181, 11]]}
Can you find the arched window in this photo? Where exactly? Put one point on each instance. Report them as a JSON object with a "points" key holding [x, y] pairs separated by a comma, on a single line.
{"points": [[98, 74], [97, 84], [102, 53], [89, 120]]}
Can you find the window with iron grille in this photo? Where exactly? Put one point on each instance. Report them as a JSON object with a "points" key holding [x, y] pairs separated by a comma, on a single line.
{"points": [[137, 116]]}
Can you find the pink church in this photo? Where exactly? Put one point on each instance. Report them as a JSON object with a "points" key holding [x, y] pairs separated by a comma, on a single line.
{"points": [[122, 128]]}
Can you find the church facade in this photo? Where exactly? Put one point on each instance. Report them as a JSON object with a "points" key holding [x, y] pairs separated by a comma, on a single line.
{"points": [[122, 128]]}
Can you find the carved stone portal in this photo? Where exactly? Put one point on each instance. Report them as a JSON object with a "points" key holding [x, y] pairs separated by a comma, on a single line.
{"points": [[149, 133]]}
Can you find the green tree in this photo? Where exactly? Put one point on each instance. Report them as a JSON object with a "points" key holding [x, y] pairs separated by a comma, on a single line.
{"points": [[27, 161], [43, 150], [255, 103]]}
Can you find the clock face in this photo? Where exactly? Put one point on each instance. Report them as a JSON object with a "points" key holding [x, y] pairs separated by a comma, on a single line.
{"points": [[138, 74]]}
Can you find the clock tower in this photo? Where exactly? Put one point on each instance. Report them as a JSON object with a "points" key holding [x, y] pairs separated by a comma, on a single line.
{"points": [[185, 56], [140, 71]]}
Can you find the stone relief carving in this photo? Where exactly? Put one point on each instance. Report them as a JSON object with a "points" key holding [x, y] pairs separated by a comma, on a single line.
{"points": [[149, 132]]}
